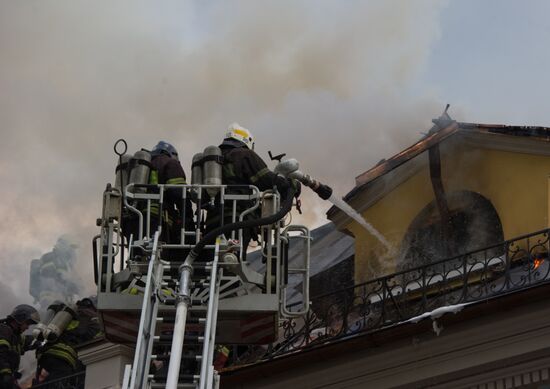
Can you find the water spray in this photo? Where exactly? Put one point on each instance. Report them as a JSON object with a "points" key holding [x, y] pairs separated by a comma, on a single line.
{"points": [[290, 168]]}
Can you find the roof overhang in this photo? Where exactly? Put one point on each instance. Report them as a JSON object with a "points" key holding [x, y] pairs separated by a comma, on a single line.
{"points": [[375, 183]]}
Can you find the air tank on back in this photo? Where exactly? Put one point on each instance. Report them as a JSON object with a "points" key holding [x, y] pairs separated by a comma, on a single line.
{"points": [[39, 330], [212, 169], [59, 323], [196, 169], [196, 174], [140, 163], [122, 177]]}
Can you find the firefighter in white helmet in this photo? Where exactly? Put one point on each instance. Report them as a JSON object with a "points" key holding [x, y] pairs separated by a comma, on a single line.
{"points": [[242, 166]]}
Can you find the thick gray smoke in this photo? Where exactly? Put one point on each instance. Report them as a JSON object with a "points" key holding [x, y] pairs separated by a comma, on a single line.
{"points": [[53, 277], [329, 83]]}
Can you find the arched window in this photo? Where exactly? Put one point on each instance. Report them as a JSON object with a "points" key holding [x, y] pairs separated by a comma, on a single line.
{"points": [[474, 224]]}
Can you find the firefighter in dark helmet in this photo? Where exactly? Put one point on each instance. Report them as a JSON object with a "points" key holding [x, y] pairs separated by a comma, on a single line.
{"points": [[166, 169], [59, 358], [13, 344]]}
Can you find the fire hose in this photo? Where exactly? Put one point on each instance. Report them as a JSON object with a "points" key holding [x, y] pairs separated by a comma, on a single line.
{"points": [[186, 269]]}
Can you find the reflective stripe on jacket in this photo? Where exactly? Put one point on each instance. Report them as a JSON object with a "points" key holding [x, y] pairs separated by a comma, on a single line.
{"points": [[11, 348], [166, 170], [62, 351]]}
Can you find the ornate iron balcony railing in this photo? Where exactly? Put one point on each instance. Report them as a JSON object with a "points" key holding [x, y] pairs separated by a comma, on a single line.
{"points": [[496, 270], [74, 381]]}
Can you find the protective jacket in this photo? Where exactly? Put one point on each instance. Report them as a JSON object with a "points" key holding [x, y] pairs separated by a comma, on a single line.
{"points": [[243, 166], [12, 345], [164, 170], [61, 358], [167, 170]]}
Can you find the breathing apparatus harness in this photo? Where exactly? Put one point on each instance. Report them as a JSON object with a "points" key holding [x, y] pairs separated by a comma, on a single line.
{"points": [[211, 236]]}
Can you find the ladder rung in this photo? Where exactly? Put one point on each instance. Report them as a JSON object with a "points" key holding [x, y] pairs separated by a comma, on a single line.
{"points": [[196, 266], [193, 339], [199, 298], [190, 320], [166, 357], [182, 377], [162, 385], [171, 309]]}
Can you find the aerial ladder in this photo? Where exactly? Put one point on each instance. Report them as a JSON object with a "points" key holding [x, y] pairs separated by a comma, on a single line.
{"points": [[174, 301]]}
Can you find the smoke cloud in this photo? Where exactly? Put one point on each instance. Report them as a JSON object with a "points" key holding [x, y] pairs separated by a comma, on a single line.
{"points": [[329, 83], [52, 277]]}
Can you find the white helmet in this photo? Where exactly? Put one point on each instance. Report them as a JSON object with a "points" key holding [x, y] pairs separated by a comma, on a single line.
{"points": [[235, 131]]}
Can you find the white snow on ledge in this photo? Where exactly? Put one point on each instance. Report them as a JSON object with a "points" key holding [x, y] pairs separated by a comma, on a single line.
{"points": [[437, 313]]}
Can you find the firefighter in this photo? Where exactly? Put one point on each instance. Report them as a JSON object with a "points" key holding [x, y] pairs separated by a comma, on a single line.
{"points": [[166, 169], [13, 344], [59, 359], [242, 166]]}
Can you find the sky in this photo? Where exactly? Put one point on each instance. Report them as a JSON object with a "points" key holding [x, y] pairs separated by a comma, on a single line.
{"points": [[338, 85]]}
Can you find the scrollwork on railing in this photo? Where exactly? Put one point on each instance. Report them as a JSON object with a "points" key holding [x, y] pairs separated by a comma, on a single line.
{"points": [[502, 268], [74, 381]]}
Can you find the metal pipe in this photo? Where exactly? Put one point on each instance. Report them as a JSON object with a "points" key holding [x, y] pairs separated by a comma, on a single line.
{"points": [[134, 210], [109, 269], [95, 258], [209, 332], [184, 300], [177, 346]]}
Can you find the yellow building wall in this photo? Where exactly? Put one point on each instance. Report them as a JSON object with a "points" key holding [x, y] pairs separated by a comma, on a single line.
{"points": [[515, 183]]}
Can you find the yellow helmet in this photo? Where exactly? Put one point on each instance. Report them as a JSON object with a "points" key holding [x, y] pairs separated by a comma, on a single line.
{"points": [[235, 131]]}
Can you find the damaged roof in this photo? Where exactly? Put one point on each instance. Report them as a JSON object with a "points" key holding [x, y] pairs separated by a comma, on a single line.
{"points": [[444, 127]]}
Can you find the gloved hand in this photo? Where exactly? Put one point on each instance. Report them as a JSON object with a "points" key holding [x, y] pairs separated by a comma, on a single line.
{"points": [[297, 188], [282, 185]]}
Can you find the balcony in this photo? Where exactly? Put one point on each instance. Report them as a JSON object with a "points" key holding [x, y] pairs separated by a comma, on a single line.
{"points": [[410, 295], [74, 381]]}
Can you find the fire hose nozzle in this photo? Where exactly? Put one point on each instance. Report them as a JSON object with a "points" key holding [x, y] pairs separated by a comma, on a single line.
{"points": [[291, 168], [322, 190]]}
